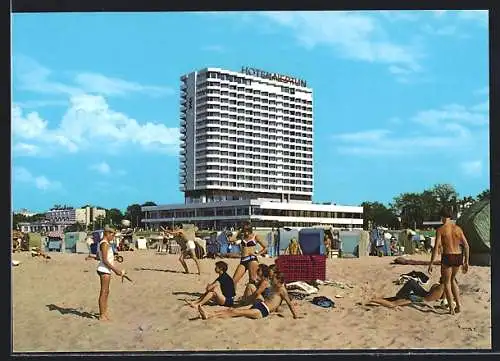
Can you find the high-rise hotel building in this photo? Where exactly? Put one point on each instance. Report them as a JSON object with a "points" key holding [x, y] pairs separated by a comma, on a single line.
{"points": [[244, 136], [247, 153]]}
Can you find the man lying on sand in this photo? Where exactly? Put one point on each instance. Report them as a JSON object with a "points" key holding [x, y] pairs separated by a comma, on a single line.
{"points": [[410, 293], [37, 252], [221, 290], [260, 309]]}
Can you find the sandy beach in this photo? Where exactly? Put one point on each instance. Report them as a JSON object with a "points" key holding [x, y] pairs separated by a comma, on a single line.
{"points": [[54, 303]]}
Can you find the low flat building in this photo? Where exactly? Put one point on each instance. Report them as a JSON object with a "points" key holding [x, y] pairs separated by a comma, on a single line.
{"points": [[41, 226], [261, 213]]}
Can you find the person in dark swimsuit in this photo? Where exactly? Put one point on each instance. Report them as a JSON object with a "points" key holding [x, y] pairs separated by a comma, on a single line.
{"points": [[451, 239], [410, 293], [221, 290], [261, 290], [259, 309], [248, 241]]}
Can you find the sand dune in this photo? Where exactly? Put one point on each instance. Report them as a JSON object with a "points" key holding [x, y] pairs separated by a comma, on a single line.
{"points": [[54, 303]]}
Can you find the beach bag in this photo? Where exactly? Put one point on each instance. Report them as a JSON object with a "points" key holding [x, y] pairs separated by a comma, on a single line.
{"points": [[323, 301]]}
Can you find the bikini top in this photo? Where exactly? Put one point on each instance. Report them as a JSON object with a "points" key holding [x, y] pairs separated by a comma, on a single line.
{"points": [[248, 243]]}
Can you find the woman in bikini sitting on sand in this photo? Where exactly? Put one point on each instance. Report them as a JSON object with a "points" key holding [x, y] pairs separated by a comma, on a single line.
{"points": [[411, 293], [249, 261], [257, 292], [260, 309]]}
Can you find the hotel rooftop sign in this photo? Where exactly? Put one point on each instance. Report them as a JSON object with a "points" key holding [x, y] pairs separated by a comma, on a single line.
{"points": [[273, 76]]}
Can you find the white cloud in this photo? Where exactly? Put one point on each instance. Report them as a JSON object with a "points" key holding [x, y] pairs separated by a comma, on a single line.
{"points": [[88, 118], [29, 75], [472, 168], [452, 128], [87, 121], [26, 149], [101, 167], [452, 112], [30, 104], [352, 35], [365, 136], [22, 175], [446, 30], [100, 84]]}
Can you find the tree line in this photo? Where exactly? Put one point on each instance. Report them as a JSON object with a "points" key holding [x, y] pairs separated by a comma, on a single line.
{"points": [[411, 210], [408, 210]]}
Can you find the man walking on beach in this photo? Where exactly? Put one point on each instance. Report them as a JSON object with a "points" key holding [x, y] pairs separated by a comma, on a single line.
{"points": [[450, 238]]}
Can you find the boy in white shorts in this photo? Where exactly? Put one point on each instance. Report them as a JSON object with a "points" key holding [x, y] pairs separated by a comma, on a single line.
{"points": [[186, 239]]}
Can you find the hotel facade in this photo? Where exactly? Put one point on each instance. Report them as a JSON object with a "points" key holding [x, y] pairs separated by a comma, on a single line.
{"points": [[246, 154]]}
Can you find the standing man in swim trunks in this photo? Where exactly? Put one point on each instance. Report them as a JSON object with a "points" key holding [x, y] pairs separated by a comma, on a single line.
{"points": [[450, 238], [187, 235], [260, 309]]}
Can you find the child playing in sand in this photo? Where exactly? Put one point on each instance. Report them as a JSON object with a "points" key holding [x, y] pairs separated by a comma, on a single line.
{"points": [[221, 290], [106, 265], [410, 293], [260, 309], [261, 290]]}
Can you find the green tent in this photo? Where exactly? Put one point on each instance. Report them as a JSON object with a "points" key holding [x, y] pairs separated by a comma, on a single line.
{"points": [[475, 222]]}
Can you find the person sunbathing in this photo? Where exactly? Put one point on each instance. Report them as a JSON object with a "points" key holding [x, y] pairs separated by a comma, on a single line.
{"points": [[257, 292], [259, 309], [411, 293], [37, 252], [221, 290]]}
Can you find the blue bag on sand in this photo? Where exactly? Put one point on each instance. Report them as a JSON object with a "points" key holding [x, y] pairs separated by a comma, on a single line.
{"points": [[323, 301]]}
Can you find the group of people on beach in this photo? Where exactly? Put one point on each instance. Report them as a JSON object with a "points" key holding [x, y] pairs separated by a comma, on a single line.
{"points": [[452, 244], [266, 290]]}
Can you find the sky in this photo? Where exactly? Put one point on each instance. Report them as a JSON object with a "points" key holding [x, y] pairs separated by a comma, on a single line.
{"points": [[401, 99]]}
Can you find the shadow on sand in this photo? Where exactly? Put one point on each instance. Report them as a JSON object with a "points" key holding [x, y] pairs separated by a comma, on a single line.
{"points": [[194, 294], [72, 311], [158, 270]]}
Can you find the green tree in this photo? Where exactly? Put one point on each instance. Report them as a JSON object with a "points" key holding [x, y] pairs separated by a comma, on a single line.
{"points": [[376, 214], [134, 214], [484, 195], [113, 216], [410, 209], [148, 203], [446, 196]]}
